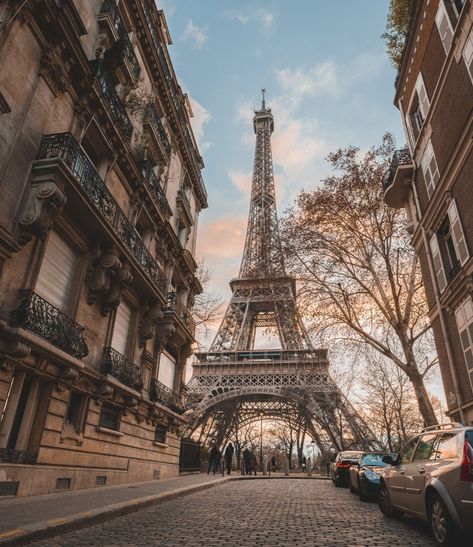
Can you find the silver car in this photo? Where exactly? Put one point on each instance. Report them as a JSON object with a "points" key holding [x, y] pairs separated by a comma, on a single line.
{"points": [[432, 479]]}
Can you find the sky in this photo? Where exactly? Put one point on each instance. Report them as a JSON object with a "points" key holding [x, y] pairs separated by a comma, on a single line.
{"points": [[328, 82]]}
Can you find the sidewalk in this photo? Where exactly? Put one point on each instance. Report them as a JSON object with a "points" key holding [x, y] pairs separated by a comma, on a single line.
{"points": [[36, 517]]}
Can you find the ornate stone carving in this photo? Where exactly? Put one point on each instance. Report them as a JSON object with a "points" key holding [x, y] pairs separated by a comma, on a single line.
{"points": [[52, 72], [10, 344], [152, 314], [164, 334], [45, 201], [107, 277]]}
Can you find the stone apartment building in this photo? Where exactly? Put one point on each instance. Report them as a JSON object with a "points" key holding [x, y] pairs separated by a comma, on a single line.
{"points": [[101, 188], [432, 179]]}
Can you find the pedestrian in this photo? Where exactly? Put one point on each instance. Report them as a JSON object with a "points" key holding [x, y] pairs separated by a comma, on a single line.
{"points": [[253, 463], [273, 463], [229, 457], [214, 458], [246, 460], [304, 463]]}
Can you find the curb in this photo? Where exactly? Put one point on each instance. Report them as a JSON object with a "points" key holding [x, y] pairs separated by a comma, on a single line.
{"points": [[76, 521]]}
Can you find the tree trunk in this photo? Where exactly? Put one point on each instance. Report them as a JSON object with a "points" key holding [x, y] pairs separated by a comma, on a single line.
{"points": [[425, 406]]}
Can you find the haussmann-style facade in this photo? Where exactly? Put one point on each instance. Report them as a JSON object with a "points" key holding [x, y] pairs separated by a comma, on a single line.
{"points": [[433, 179], [101, 187]]}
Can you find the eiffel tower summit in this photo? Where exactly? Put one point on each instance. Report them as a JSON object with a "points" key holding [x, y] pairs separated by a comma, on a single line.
{"points": [[234, 383]]}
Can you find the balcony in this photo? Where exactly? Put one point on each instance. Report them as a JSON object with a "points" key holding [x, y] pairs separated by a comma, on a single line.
{"points": [[112, 99], [183, 202], [162, 394], [121, 368], [110, 14], [397, 180], [39, 316], [181, 311], [155, 189], [152, 121], [64, 147]]}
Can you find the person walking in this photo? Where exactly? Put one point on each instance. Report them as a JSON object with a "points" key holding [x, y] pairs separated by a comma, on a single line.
{"points": [[247, 460], [253, 463], [229, 457], [214, 458], [273, 463]]}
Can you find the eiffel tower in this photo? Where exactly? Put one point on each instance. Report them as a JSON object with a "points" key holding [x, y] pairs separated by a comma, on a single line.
{"points": [[233, 383]]}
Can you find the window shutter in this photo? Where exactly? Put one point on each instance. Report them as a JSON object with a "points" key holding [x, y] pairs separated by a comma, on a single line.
{"points": [[458, 235], [438, 265], [56, 276], [121, 328], [444, 27], [429, 168], [422, 95], [410, 133], [167, 369]]}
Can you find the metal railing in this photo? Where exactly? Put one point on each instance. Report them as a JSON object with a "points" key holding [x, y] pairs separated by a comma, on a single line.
{"points": [[8, 455], [155, 188], [265, 355], [110, 8], [111, 98], [39, 316], [162, 394], [152, 117], [400, 157], [65, 147], [121, 368], [181, 310]]}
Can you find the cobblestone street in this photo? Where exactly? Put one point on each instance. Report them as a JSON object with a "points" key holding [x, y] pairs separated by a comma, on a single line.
{"points": [[256, 512]]}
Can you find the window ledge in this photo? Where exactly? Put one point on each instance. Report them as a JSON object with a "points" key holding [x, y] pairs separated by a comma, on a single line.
{"points": [[109, 431], [162, 445]]}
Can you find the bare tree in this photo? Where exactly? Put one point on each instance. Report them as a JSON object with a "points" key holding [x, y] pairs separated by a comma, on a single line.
{"points": [[207, 308], [284, 439], [358, 275]]}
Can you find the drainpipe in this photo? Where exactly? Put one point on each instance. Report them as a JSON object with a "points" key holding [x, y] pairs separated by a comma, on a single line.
{"points": [[443, 324]]}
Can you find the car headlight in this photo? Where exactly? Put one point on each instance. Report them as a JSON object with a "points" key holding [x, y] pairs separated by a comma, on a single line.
{"points": [[371, 475]]}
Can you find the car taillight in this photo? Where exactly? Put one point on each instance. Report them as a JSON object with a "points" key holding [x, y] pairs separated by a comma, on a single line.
{"points": [[466, 469], [343, 465]]}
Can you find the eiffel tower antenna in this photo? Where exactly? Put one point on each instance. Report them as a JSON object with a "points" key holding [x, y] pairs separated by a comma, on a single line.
{"points": [[234, 381]]}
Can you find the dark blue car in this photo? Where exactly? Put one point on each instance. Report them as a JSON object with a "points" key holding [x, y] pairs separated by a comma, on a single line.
{"points": [[364, 474]]}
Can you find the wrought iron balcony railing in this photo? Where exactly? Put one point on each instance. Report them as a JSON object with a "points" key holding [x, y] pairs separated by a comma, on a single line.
{"points": [[121, 368], [400, 157], [162, 394], [110, 8], [152, 117], [65, 147], [39, 316], [111, 97], [181, 310], [155, 188], [8, 455]]}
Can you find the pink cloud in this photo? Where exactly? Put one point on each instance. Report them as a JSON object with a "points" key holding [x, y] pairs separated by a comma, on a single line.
{"points": [[222, 238]]}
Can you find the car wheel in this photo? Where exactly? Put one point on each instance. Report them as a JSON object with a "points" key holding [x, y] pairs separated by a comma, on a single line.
{"points": [[385, 505], [352, 488], [337, 483], [363, 496], [441, 523]]}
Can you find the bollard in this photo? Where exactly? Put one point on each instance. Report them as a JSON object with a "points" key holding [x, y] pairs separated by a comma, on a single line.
{"points": [[309, 468], [286, 467], [265, 465]]}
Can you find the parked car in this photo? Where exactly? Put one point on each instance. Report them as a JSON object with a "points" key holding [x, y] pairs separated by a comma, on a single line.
{"points": [[432, 479], [364, 475], [340, 469]]}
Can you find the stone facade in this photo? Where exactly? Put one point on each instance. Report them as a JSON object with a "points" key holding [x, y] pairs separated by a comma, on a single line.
{"points": [[100, 178], [432, 180]]}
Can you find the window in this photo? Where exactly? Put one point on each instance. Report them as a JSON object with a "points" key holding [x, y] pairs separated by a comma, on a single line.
{"points": [[167, 369], [418, 109], [121, 328], [444, 27], [160, 434], [406, 453], [446, 447], [76, 411], [468, 54], [57, 273], [430, 169], [458, 6], [438, 264], [110, 417], [424, 448], [464, 319]]}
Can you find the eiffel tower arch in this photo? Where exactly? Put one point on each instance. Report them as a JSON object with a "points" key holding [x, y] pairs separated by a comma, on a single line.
{"points": [[234, 383]]}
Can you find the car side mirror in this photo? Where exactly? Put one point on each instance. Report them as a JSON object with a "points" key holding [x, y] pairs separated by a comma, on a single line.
{"points": [[389, 460]]}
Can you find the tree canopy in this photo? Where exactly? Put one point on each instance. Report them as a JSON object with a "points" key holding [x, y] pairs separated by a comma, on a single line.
{"points": [[397, 26]]}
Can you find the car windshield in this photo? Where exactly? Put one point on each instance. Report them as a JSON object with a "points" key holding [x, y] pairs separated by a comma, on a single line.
{"points": [[373, 459], [349, 455]]}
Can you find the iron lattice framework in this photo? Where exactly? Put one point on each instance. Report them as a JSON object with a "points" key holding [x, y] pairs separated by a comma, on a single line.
{"points": [[233, 383]]}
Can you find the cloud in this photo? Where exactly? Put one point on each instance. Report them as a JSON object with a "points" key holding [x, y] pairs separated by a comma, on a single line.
{"points": [[261, 16], [198, 35], [198, 122], [222, 238], [241, 180], [299, 83]]}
